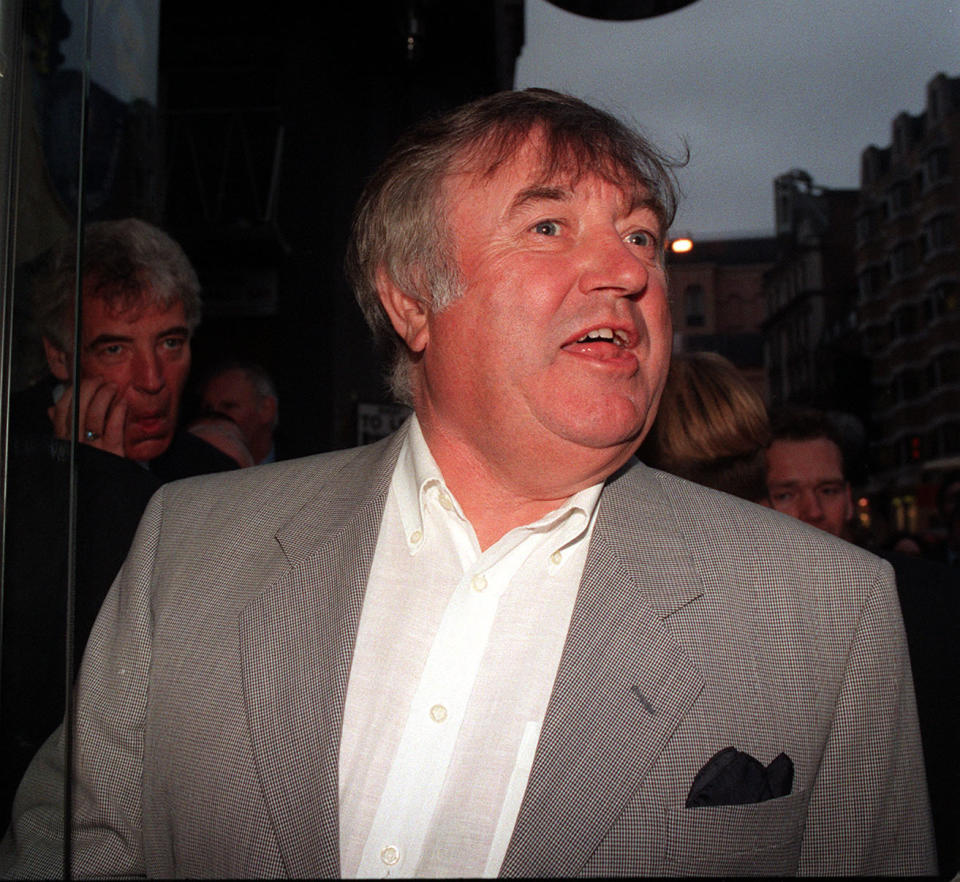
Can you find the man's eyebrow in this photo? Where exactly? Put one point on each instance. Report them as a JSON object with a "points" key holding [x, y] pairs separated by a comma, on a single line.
{"points": [[539, 194], [102, 339], [642, 202]]}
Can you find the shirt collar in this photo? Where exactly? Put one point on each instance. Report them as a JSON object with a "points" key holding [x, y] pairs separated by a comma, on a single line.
{"points": [[417, 473]]}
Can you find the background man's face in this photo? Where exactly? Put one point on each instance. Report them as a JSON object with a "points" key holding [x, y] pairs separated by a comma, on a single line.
{"points": [[805, 479], [231, 393], [145, 353], [561, 337]]}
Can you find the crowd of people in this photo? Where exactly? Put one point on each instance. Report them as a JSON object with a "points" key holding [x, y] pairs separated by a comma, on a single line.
{"points": [[496, 641]]}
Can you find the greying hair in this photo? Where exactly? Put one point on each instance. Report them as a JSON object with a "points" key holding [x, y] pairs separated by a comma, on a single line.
{"points": [[400, 228], [256, 376], [128, 263]]}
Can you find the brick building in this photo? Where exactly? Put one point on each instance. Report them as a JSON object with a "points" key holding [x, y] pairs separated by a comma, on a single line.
{"points": [[716, 297], [813, 355], [908, 273]]}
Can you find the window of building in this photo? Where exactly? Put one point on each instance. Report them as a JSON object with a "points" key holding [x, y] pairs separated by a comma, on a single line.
{"points": [[903, 260], [944, 298], [877, 337], [938, 233], [867, 225], [948, 367], [950, 438], [910, 385], [871, 281], [938, 165], [901, 197], [694, 302], [933, 102]]}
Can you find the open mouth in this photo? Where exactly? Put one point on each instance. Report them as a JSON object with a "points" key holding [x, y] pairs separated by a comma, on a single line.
{"points": [[606, 335]]}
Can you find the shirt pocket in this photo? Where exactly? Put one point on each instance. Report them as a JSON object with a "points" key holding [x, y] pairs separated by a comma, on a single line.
{"points": [[761, 838]]}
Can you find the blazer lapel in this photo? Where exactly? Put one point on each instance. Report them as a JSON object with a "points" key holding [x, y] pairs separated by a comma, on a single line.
{"points": [[623, 685], [297, 640]]}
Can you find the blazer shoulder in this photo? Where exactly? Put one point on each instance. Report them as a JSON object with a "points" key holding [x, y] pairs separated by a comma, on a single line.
{"points": [[288, 484], [724, 534], [264, 498]]}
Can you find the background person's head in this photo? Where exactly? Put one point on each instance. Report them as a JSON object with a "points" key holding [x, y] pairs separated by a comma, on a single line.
{"points": [[140, 305], [806, 473], [401, 228], [711, 427], [245, 393]]}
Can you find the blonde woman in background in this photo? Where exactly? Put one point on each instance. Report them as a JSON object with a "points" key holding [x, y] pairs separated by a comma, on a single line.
{"points": [[711, 427]]}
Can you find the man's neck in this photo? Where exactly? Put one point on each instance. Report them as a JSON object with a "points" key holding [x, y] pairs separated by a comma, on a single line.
{"points": [[496, 497]]}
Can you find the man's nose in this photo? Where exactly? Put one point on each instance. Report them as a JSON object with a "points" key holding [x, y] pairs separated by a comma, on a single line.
{"points": [[810, 509], [610, 264], [148, 372]]}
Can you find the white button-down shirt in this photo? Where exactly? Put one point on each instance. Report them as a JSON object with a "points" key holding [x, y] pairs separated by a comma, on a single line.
{"points": [[455, 660]]}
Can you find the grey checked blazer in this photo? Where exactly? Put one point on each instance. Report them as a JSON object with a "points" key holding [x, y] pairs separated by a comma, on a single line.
{"points": [[211, 696]]}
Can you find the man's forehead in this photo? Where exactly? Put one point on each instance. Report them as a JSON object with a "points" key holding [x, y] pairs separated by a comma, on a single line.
{"points": [[235, 381], [805, 455], [131, 313], [526, 179]]}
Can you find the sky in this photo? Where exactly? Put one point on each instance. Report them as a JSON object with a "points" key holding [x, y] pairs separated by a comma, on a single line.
{"points": [[754, 87]]}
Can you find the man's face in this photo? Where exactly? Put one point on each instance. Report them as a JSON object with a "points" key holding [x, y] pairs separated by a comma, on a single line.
{"points": [[558, 347], [233, 394], [145, 352], [805, 480]]}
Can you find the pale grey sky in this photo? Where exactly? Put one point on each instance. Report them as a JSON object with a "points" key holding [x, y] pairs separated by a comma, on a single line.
{"points": [[756, 87]]}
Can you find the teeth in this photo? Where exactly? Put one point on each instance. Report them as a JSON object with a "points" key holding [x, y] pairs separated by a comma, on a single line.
{"points": [[607, 334]]}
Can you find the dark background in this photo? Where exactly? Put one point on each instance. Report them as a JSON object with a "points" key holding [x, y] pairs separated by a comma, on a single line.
{"points": [[272, 116]]}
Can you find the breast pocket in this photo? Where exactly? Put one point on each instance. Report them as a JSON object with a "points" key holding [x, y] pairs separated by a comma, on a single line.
{"points": [[762, 838]]}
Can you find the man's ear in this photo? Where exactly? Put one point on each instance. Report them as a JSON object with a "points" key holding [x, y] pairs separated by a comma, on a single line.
{"points": [[57, 359], [268, 407], [408, 314]]}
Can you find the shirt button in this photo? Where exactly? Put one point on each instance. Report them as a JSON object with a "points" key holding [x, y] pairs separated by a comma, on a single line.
{"points": [[416, 536], [446, 502], [478, 583], [390, 855], [438, 713], [555, 558]]}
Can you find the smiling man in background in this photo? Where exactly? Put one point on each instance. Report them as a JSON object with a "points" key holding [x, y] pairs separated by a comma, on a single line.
{"points": [[492, 643]]}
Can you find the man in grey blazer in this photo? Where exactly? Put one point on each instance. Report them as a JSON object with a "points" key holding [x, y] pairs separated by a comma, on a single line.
{"points": [[493, 643]]}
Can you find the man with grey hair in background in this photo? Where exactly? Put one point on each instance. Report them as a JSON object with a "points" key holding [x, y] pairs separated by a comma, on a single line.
{"points": [[140, 304], [493, 643], [245, 392]]}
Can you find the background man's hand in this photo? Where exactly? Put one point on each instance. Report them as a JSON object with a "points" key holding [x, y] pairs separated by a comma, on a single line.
{"points": [[101, 415]]}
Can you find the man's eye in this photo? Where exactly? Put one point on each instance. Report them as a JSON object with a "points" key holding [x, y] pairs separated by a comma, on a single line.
{"points": [[112, 349], [547, 228], [173, 343], [642, 239]]}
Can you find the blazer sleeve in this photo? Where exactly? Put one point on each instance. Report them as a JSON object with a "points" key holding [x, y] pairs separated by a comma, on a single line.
{"points": [[111, 698], [869, 813]]}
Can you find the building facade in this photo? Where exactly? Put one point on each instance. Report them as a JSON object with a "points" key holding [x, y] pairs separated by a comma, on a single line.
{"points": [[716, 299], [908, 275], [813, 354]]}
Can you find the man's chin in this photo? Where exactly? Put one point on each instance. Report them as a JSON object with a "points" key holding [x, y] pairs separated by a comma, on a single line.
{"points": [[145, 449]]}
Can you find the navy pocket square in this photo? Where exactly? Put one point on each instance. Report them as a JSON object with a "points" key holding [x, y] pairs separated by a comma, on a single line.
{"points": [[732, 777]]}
